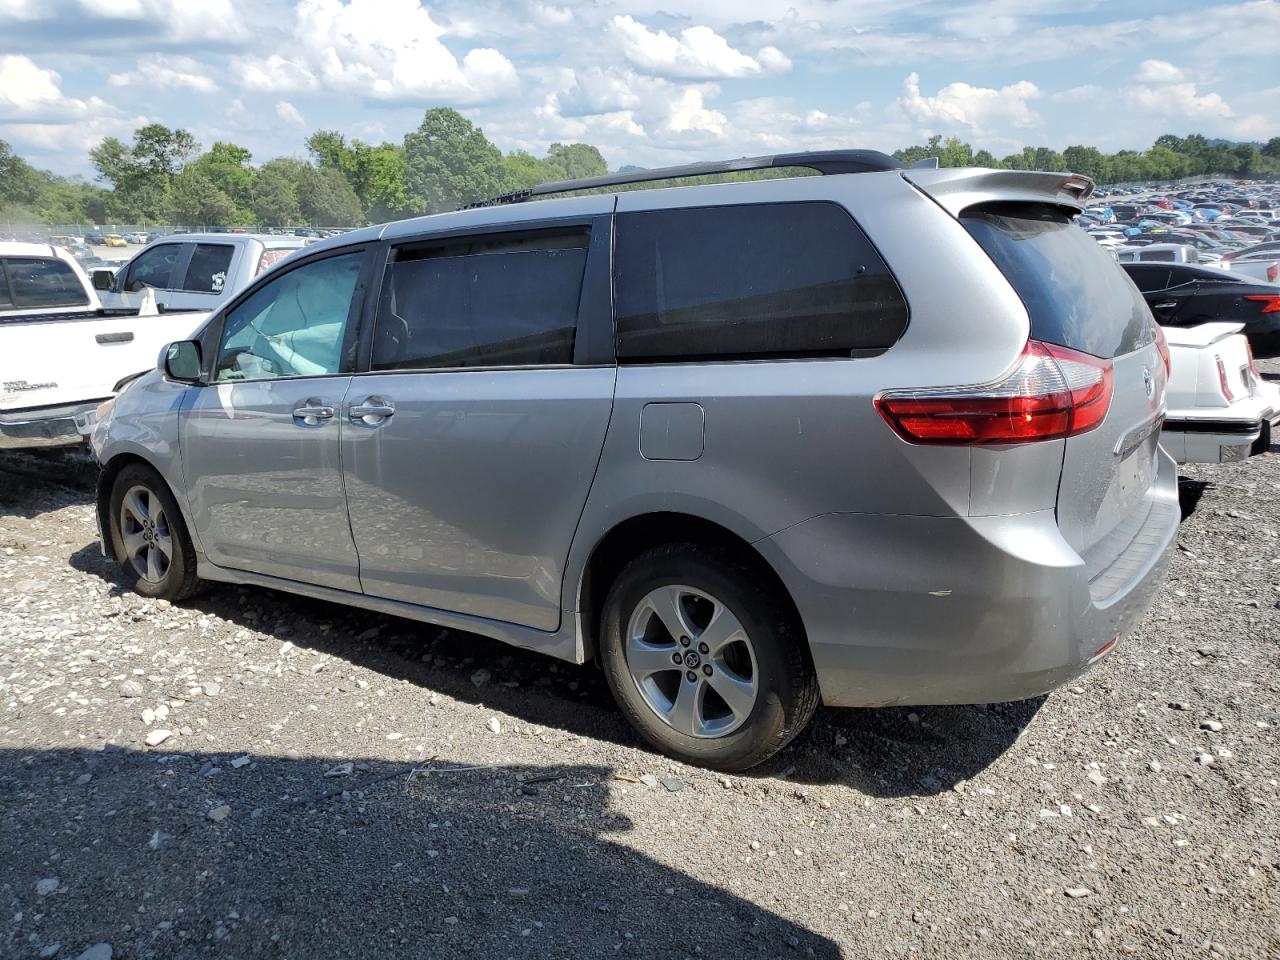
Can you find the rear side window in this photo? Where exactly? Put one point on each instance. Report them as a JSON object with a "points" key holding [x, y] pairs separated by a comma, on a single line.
{"points": [[742, 282], [5, 299], [481, 302], [271, 256], [37, 284], [1075, 294], [207, 271]]}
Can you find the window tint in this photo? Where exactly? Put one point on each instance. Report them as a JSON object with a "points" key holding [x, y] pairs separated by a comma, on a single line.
{"points": [[1075, 294], [792, 279], [5, 299], [1148, 277], [207, 271], [291, 326], [153, 268], [482, 302], [1180, 273], [37, 284]]}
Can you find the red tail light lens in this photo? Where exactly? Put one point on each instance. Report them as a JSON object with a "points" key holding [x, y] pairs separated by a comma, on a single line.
{"points": [[1053, 392], [1162, 344], [1222, 380], [1273, 273], [1270, 304]]}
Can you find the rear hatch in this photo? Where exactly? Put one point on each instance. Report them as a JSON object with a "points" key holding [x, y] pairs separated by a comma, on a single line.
{"points": [[1078, 297]]}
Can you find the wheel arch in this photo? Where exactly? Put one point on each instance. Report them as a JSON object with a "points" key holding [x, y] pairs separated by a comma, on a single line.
{"points": [[106, 481], [631, 537]]}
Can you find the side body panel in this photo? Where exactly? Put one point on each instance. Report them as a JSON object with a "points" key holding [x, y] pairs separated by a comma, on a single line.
{"points": [[467, 498], [264, 487]]}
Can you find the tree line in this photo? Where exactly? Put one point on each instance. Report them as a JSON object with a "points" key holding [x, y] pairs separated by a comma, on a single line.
{"points": [[163, 175]]}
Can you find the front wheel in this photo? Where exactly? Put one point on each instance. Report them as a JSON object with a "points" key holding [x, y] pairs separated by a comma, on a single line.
{"points": [[149, 537], [706, 665]]}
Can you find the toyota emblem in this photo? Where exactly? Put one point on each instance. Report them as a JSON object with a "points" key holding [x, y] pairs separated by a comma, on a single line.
{"points": [[1148, 381]]}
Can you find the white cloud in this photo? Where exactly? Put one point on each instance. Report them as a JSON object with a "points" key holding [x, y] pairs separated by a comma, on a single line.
{"points": [[287, 112], [381, 49], [1178, 100], [178, 21], [31, 92], [978, 109], [182, 72], [275, 74], [21, 9], [1159, 71], [689, 114], [698, 53]]}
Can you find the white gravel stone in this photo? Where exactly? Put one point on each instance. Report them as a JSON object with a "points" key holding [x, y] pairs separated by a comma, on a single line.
{"points": [[157, 737]]}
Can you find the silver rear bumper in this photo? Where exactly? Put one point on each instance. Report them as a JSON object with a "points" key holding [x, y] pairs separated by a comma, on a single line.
{"points": [[60, 426], [934, 610]]}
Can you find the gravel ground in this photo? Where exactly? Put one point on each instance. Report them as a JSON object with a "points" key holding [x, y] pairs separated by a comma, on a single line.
{"points": [[257, 775]]}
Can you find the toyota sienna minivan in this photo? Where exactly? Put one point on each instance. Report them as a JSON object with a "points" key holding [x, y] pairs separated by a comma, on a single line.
{"points": [[872, 436]]}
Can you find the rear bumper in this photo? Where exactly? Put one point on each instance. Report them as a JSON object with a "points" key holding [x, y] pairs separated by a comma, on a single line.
{"points": [[1220, 440], [47, 426], [930, 610]]}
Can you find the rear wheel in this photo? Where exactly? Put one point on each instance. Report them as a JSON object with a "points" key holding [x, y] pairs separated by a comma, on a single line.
{"points": [[709, 667], [149, 537]]}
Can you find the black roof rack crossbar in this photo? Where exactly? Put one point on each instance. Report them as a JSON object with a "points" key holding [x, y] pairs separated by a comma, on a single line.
{"points": [[823, 161]]}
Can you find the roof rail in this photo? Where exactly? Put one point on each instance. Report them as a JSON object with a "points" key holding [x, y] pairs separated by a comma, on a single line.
{"points": [[825, 162]]}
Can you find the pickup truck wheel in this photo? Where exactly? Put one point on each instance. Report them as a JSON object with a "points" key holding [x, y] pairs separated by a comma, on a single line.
{"points": [[706, 664], [149, 537]]}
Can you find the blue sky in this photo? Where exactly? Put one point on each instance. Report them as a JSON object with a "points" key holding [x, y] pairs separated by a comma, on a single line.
{"points": [[645, 83]]}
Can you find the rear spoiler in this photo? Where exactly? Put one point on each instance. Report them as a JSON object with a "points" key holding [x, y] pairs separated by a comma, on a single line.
{"points": [[956, 188], [1202, 335]]}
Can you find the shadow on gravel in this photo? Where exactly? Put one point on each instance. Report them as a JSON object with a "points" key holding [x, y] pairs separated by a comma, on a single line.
{"points": [[504, 861], [890, 751], [1189, 494], [35, 482]]}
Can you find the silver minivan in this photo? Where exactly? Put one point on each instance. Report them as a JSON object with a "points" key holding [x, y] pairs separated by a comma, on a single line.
{"points": [[874, 436]]}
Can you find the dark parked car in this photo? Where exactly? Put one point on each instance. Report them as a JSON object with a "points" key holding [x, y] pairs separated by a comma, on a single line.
{"points": [[1184, 295]]}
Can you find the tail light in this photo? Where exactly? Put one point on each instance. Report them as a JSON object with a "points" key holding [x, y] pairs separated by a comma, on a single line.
{"points": [[1052, 393], [1222, 380], [1270, 303], [1162, 344]]}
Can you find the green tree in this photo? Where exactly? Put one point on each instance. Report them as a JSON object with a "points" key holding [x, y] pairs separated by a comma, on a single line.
{"points": [[326, 199], [573, 161], [1087, 161], [140, 174], [449, 163], [227, 166], [524, 170], [275, 193], [195, 200]]}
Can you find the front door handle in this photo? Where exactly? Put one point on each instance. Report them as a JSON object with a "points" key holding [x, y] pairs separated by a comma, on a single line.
{"points": [[373, 411], [1166, 305], [312, 413]]}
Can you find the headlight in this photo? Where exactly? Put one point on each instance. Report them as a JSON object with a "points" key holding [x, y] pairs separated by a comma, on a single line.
{"points": [[104, 409]]}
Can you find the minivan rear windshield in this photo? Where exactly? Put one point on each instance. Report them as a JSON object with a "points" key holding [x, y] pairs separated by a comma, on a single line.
{"points": [[1076, 295]]}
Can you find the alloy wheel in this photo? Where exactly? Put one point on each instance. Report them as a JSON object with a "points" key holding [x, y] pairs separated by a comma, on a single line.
{"points": [[692, 661]]}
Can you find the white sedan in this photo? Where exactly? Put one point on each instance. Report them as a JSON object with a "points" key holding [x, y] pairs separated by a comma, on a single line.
{"points": [[1219, 406]]}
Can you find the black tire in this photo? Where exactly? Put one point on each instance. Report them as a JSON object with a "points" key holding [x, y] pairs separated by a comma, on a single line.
{"points": [[177, 579], [786, 685]]}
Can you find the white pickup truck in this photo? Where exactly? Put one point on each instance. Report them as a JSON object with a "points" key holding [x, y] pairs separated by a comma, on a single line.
{"points": [[193, 271], [61, 352]]}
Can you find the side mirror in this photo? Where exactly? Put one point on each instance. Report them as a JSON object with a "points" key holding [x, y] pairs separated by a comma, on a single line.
{"points": [[103, 279], [180, 361]]}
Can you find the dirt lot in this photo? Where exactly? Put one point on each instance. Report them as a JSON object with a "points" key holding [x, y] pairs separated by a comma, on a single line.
{"points": [[339, 784]]}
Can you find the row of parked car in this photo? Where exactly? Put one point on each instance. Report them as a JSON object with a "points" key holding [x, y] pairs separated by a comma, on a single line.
{"points": [[741, 443]]}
